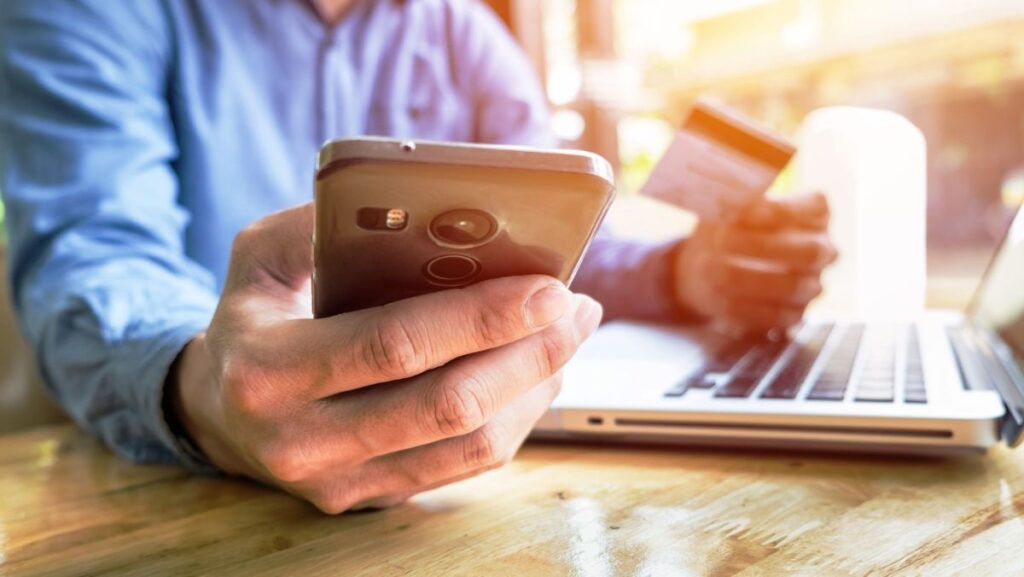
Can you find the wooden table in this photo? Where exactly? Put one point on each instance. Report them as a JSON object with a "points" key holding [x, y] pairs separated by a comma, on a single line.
{"points": [[68, 507]]}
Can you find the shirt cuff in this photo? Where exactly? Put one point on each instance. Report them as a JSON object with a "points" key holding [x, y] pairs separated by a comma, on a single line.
{"points": [[160, 354], [634, 280]]}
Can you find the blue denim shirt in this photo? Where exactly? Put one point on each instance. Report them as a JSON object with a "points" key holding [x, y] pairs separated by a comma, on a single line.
{"points": [[137, 138]]}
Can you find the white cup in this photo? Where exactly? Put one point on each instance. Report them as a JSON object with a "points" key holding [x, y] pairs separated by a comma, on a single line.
{"points": [[872, 166]]}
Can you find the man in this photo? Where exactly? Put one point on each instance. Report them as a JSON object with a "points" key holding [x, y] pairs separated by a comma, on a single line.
{"points": [[138, 138]]}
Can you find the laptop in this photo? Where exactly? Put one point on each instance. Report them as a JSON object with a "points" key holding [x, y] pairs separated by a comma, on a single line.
{"points": [[947, 383]]}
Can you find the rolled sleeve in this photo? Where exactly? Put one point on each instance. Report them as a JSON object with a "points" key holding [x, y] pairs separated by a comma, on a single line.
{"points": [[105, 352], [632, 279], [101, 284]]}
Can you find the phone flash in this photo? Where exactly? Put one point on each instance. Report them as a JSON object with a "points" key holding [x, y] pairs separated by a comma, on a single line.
{"points": [[391, 219], [396, 219]]}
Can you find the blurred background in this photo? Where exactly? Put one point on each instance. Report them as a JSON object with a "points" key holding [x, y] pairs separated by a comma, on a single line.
{"points": [[621, 75]]}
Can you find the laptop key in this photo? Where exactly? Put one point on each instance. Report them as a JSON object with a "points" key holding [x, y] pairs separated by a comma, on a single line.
{"points": [[678, 389], [695, 381], [918, 395], [877, 379], [705, 381], [833, 380], [749, 372], [823, 394], [913, 386], [738, 386], [725, 358], [701, 378], [786, 384], [884, 395]]}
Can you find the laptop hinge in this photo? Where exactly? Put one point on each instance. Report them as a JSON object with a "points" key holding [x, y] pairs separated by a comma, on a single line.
{"points": [[1000, 369]]}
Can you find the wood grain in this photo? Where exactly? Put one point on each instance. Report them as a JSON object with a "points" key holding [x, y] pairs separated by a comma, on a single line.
{"points": [[68, 507]]}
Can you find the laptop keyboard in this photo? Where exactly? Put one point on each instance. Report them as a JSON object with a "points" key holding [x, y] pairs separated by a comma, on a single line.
{"points": [[718, 362], [862, 365]]}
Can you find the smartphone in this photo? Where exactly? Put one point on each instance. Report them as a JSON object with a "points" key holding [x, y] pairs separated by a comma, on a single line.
{"points": [[399, 218]]}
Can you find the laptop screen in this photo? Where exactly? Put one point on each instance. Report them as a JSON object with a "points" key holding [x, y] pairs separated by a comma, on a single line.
{"points": [[999, 302]]}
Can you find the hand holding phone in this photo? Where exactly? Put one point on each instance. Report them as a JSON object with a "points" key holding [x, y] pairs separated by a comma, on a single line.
{"points": [[368, 408]]}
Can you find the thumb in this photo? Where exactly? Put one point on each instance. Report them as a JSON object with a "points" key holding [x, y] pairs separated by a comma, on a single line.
{"points": [[275, 251]]}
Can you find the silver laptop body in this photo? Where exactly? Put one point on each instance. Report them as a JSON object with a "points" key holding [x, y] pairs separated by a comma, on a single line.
{"points": [[946, 383]]}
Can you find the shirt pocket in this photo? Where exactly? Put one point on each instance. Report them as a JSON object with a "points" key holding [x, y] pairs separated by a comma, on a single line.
{"points": [[424, 105]]}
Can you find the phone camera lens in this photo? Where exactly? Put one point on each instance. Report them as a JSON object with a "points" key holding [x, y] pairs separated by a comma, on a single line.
{"points": [[464, 227], [451, 270]]}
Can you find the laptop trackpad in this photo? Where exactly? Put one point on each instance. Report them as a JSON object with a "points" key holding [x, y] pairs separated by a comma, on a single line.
{"points": [[631, 359], [646, 343]]}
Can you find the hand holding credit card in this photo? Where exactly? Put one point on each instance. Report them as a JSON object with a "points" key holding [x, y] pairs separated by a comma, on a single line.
{"points": [[718, 164]]}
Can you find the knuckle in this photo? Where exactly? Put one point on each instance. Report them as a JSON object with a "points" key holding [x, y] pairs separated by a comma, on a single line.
{"points": [[414, 477], [788, 286], [815, 288], [245, 253], [336, 499], [244, 240], [486, 448], [804, 251], [557, 347], [824, 205], [363, 444], [240, 388], [788, 317], [458, 408], [804, 290], [330, 506], [494, 325], [823, 252], [832, 253], [392, 350], [284, 463]]}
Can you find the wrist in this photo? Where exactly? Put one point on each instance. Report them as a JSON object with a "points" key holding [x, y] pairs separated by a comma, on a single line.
{"points": [[680, 283], [194, 405]]}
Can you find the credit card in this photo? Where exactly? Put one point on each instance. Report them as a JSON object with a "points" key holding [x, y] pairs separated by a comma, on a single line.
{"points": [[719, 163]]}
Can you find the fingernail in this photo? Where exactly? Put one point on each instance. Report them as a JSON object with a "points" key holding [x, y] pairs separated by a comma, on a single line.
{"points": [[588, 316], [547, 305]]}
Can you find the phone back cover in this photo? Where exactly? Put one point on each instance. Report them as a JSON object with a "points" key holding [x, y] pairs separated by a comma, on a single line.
{"points": [[545, 218]]}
